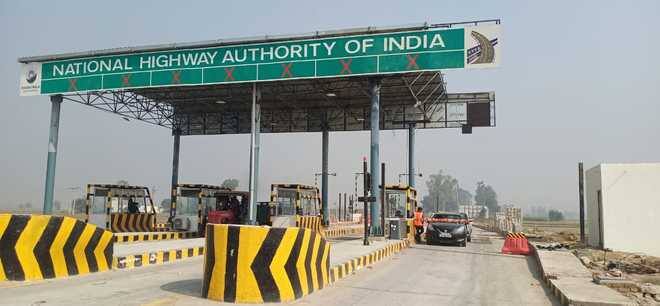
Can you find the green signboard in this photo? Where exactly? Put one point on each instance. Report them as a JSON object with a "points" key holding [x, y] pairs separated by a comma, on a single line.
{"points": [[368, 54]]}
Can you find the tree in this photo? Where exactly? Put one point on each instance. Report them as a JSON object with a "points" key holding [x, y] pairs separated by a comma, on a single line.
{"points": [[230, 183], [482, 213], [442, 193], [464, 197], [122, 182], [555, 215], [485, 195], [165, 205], [57, 205]]}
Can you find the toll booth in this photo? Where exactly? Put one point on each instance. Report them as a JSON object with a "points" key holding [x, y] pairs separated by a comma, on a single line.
{"points": [[295, 205], [199, 204], [120, 208], [400, 205]]}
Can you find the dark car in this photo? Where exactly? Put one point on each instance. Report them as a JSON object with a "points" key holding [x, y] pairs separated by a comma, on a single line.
{"points": [[468, 224], [446, 228]]}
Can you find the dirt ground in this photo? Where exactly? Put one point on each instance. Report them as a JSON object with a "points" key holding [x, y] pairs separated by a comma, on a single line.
{"points": [[633, 274]]}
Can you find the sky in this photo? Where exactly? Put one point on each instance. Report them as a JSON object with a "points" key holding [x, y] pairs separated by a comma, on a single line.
{"points": [[578, 81]]}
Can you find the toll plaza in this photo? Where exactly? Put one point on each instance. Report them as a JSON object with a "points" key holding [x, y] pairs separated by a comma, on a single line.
{"points": [[362, 79]]}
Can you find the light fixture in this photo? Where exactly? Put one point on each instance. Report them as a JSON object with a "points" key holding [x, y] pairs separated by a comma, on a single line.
{"points": [[360, 119], [220, 102], [331, 94]]}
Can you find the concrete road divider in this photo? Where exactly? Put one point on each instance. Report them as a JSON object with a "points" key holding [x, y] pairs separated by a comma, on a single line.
{"points": [[349, 267], [135, 237], [311, 222], [125, 222], [34, 247], [252, 264], [155, 258], [343, 231]]}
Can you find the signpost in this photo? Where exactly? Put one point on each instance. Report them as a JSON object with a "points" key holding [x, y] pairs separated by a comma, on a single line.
{"points": [[340, 56]]}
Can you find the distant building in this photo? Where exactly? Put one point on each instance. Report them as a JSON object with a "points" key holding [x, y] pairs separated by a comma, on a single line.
{"points": [[623, 207], [473, 211]]}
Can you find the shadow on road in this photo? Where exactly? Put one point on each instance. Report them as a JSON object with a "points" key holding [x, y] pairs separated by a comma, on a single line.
{"points": [[189, 287]]}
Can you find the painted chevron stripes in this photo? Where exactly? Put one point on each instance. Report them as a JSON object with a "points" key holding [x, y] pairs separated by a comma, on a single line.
{"points": [[349, 267], [131, 237], [311, 222], [34, 247], [155, 258], [251, 264], [125, 222]]}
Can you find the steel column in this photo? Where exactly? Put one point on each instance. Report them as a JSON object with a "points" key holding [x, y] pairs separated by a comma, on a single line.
{"points": [[324, 174], [374, 91], [411, 155], [175, 172], [257, 150], [252, 210], [56, 102]]}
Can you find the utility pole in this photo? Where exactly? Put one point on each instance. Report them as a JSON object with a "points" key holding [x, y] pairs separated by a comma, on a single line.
{"points": [[366, 202], [581, 192]]}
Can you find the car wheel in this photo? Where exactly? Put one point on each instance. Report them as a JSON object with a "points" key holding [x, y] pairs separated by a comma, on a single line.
{"points": [[469, 238], [464, 244]]}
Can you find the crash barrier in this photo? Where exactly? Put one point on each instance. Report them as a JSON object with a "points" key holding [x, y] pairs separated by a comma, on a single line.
{"points": [[252, 264], [314, 223], [162, 227], [34, 247], [155, 258], [125, 222], [343, 231], [515, 243], [131, 237], [347, 268]]}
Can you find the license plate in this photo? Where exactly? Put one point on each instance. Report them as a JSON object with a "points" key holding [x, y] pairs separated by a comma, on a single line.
{"points": [[444, 235]]}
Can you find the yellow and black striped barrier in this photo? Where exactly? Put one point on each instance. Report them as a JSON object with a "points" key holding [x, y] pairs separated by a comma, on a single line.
{"points": [[132, 237], [343, 231], [155, 258], [34, 247], [347, 268], [162, 227], [519, 235], [125, 222], [251, 264], [314, 223]]}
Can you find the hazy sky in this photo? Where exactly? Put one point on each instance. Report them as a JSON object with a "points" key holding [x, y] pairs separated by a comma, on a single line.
{"points": [[578, 81]]}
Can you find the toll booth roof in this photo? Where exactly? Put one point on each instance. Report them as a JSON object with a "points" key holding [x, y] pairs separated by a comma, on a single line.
{"points": [[294, 186], [115, 186]]}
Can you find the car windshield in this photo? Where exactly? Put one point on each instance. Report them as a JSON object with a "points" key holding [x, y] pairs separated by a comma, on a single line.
{"points": [[447, 216]]}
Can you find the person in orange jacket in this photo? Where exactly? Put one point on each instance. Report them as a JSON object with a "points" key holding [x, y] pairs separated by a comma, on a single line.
{"points": [[418, 223]]}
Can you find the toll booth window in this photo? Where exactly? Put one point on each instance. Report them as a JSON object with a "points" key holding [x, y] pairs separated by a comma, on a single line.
{"points": [[286, 202], [308, 207], [186, 206], [396, 203], [98, 205]]}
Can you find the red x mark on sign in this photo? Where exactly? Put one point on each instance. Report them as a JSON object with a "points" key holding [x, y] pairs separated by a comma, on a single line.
{"points": [[176, 77], [346, 66], [286, 70], [73, 84], [412, 61], [126, 80], [229, 74]]}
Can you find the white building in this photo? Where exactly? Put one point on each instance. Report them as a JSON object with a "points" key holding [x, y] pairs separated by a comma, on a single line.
{"points": [[623, 207]]}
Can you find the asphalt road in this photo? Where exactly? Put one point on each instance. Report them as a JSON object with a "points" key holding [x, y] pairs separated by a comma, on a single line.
{"points": [[443, 275], [422, 275]]}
